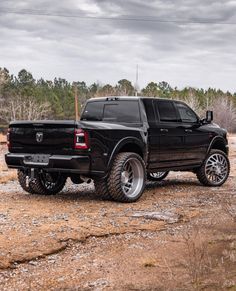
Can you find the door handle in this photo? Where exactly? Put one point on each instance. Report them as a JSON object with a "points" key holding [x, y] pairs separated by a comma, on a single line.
{"points": [[188, 130], [164, 130]]}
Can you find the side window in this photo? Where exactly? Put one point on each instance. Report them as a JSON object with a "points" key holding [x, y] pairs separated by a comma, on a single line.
{"points": [[149, 108], [186, 113], [93, 111], [122, 111], [166, 111]]}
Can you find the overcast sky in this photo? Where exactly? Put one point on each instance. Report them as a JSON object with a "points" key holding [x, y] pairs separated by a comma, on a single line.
{"points": [[183, 54]]}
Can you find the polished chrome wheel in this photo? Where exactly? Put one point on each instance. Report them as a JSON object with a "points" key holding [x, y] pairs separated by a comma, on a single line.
{"points": [[127, 178], [132, 177], [216, 168], [157, 176]]}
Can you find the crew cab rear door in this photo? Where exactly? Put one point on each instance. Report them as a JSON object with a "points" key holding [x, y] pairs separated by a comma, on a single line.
{"points": [[166, 141]]}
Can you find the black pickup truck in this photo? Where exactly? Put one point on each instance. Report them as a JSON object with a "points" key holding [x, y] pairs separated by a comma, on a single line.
{"points": [[119, 142]]}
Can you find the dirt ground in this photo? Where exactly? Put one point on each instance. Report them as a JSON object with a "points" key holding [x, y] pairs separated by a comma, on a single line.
{"points": [[178, 236]]}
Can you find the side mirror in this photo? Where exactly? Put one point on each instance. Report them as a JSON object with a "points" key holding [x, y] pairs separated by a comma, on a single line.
{"points": [[209, 116]]}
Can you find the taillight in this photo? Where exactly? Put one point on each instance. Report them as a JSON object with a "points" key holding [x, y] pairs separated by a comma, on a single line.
{"points": [[8, 138], [81, 139]]}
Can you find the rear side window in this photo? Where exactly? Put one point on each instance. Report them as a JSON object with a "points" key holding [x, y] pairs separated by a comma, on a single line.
{"points": [[93, 111], [166, 111], [148, 104], [121, 111]]}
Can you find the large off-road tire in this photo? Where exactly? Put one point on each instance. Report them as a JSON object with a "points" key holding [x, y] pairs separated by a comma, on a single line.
{"points": [[157, 176], [127, 178], [101, 188], [48, 183], [215, 169], [26, 186]]}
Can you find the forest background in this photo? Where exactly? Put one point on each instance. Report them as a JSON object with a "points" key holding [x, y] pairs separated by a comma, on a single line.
{"points": [[22, 97]]}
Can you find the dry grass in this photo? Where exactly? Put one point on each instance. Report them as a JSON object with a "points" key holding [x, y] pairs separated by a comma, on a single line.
{"points": [[149, 263], [3, 167], [10, 176], [3, 138], [6, 175], [229, 207], [210, 261], [198, 261]]}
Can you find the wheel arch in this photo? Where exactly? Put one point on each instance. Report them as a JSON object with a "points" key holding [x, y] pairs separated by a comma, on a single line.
{"points": [[129, 144], [218, 143]]}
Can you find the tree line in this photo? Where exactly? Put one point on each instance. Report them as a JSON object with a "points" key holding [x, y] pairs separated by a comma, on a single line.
{"points": [[22, 97]]}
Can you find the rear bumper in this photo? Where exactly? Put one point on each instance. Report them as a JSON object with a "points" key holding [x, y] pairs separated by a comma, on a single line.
{"points": [[69, 164]]}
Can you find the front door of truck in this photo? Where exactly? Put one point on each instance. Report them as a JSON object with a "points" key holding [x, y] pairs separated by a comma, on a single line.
{"points": [[196, 139]]}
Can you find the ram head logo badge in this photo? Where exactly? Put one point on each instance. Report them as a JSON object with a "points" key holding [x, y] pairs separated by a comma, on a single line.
{"points": [[39, 136]]}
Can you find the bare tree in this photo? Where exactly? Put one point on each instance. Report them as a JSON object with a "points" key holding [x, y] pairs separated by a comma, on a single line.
{"points": [[22, 108], [224, 113], [194, 103]]}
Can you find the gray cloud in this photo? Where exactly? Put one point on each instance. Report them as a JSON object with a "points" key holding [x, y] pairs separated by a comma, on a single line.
{"points": [[183, 54]]}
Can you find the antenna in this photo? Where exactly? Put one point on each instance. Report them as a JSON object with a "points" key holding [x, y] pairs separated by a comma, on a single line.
{"points": [[136, 86], [76, 103]]}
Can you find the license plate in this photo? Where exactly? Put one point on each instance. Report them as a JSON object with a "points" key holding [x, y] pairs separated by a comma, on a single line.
{"points": [[37, 159]]}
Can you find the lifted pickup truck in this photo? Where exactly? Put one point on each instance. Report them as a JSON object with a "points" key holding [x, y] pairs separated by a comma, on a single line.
{"points": [[119, 142]]}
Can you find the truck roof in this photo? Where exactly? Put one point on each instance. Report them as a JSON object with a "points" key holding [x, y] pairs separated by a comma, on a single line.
{"points": [[111, 98]]}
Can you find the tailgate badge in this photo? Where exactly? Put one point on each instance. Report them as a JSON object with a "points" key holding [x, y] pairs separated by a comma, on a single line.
{"points": [[39, 136]]}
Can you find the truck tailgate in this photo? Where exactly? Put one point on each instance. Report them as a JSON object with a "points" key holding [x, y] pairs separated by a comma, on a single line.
{"points": [[47, 137]]}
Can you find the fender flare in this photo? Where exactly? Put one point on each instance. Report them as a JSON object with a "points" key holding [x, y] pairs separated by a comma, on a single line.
{"points": [[123, 142], [215, 140]]}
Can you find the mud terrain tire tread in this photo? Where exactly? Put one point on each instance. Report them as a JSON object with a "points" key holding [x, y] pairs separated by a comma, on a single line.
{"points": [[114, 179], [39, 188], [22, 181], [101, 189]]}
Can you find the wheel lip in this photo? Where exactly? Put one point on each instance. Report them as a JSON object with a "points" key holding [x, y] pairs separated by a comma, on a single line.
{"points": [[222, 162], [138, 181]]}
